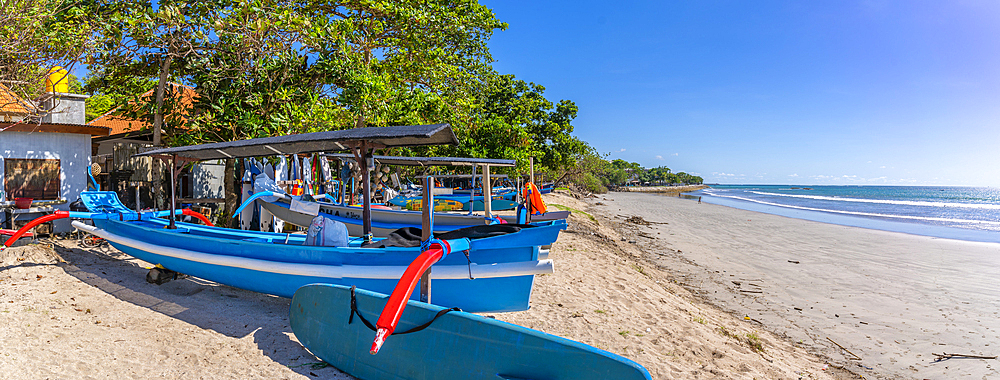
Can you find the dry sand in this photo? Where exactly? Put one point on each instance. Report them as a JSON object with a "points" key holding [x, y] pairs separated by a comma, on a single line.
{"points": [[91, 314], [893, 299]]}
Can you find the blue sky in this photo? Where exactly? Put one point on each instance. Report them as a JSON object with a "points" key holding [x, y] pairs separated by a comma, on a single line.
{"points": [[763, 92]]}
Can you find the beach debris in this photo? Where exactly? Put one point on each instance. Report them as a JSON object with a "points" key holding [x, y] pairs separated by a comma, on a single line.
{"points": [[793, 261], [635, 219], [856, 357], [945, 356]]}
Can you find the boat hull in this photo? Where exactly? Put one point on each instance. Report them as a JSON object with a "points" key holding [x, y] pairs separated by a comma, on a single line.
{"points": [[503, 266], [457, 345]]}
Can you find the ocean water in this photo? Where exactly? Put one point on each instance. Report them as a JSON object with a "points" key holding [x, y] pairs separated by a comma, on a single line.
{"points": [[964, 213]]}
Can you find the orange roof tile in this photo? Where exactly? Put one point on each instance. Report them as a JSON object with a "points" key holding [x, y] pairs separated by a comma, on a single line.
{"points": [[11, 103], [121, 124]]}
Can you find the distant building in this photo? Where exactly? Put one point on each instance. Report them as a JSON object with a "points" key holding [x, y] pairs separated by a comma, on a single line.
{"points": [[45, 158], [123, 173], [12, 107]]}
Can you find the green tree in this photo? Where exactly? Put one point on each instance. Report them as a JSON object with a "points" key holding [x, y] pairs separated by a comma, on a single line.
{"points": [[512, 119], [265, 68], [39, 35]]}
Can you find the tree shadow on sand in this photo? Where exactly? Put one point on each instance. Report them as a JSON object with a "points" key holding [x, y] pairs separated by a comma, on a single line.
{"points": [[229, 311]]}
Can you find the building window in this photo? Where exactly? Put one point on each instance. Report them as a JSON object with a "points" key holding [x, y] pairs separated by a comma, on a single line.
{"points": [[31, 178]]}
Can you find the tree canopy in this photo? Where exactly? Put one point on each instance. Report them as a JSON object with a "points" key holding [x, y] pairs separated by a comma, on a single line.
{"points": [[275, 67]]}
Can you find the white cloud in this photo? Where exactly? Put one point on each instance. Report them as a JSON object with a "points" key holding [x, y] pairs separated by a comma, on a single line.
{"points": [[882, 167], [622, 150], [793, 175], [676, 154], [659, 157]]}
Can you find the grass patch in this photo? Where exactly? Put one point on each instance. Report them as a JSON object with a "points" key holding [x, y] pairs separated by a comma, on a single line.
{"points": [[700, 320], [750, 339], [623, 333], [561, 188], [570, 209], [599, 311], [638, 268], [754, 342]]}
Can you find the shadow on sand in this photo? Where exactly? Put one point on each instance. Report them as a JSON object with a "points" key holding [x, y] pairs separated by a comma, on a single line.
{"points": [[229, 311]]}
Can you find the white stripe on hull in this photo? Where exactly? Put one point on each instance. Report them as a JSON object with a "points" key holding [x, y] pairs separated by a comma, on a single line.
{"points": [[443, 272]]}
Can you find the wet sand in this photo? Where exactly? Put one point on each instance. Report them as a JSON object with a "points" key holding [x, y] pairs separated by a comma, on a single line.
{"points": [[890, 298]]}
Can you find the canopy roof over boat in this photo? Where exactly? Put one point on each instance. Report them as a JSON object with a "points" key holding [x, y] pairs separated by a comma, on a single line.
{"points": [[328, 141], [431, 161]]}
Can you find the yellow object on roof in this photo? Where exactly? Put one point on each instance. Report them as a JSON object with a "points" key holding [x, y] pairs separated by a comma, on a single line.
{"points": [[58, 80]]}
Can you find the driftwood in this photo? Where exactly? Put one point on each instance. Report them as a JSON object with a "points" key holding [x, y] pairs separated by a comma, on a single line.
{"points": [[635, 219], [856, 357], [944, 356]]}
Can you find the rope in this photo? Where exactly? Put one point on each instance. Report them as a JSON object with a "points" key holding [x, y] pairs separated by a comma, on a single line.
{"points": [[354, 311]]}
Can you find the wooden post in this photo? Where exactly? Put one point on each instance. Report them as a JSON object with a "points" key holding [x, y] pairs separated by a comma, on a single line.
{"points": [[487, 192], [472, 191], [173, 193], [427, 233], [361, 154], [531, 166]]}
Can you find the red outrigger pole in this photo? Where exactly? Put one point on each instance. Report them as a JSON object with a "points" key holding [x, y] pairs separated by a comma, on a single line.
{"points": [[418, 271], [66, 214], [33, 224], [393, 310]]}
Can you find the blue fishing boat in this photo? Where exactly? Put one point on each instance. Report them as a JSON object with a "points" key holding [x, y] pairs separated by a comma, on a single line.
{"points": [[333, 323], [494, 272], [496, 276]]}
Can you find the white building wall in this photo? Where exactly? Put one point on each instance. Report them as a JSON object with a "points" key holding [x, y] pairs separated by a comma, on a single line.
{"points": [[72, 150], [207, 179]]}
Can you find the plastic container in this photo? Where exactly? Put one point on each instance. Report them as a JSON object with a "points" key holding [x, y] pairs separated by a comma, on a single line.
{"points": [[23, 203]]}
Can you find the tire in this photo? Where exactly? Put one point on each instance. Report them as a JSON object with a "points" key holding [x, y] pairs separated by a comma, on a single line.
{"points": [[91, 241]]}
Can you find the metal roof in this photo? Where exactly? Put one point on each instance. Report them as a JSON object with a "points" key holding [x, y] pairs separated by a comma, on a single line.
{"points": [[328, 141], [431, 161]]}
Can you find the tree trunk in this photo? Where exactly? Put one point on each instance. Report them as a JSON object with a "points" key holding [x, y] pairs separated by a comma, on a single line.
{"points": [[160, 87], [233, 187]]}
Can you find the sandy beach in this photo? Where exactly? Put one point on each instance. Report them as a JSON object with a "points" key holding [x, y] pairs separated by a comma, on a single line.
{"points": [[704, 291], [892, 299]]}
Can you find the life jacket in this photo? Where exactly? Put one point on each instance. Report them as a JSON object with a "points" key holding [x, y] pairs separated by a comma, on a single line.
{"points": [[530, 192]]}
